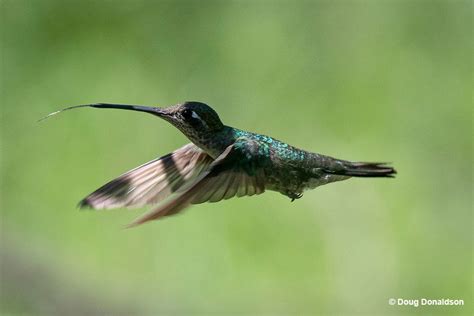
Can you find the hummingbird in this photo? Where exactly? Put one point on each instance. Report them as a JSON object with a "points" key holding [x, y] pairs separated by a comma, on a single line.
{"points": [[219, 163]]}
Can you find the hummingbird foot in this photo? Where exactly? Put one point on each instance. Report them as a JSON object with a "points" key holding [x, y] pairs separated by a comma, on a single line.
{"points": [[295, 196]]}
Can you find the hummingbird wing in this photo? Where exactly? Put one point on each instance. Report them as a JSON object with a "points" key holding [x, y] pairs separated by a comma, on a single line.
{"points": [[151, 182], [236, 172]]}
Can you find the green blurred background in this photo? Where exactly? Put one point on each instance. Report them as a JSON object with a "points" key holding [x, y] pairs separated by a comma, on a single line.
{"points": [[359, 80]]}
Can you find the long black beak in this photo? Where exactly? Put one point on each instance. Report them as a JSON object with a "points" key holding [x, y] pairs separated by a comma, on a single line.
{"points": [[148, 109]]}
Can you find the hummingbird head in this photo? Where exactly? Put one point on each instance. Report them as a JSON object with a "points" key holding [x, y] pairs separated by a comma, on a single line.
{"points": [[194, 119]]}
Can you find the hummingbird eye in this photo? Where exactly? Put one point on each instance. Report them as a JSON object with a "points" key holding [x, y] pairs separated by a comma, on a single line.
{"points": [[192, 118], [187, 113], [190, 115]]}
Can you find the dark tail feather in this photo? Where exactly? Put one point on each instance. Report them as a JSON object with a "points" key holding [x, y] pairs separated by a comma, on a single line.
{"points": [[365, 169]]}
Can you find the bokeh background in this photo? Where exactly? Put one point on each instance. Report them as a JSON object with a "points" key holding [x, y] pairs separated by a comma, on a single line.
{"points": [[360, 80]]}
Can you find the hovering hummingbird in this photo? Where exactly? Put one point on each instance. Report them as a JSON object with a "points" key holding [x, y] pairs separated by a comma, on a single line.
{"points": [[220, 162]]}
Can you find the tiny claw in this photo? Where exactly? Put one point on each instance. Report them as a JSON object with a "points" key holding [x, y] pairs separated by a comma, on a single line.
{"points": [[295, 196]]}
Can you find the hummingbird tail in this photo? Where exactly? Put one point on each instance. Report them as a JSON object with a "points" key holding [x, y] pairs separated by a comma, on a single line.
{"points": [[362, 169], [367, 169]]}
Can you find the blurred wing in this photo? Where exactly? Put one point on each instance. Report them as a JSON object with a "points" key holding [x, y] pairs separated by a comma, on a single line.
{"points": [[151, 182], [233, 173]]}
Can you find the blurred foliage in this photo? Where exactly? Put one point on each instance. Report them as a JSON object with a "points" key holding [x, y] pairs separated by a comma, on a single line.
{"points": [[359, 80]]}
